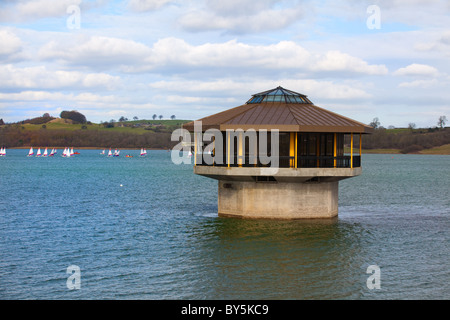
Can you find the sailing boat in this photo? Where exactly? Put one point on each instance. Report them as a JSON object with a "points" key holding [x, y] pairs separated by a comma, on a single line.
{"points": [[45, 153], [31, 152], [38, 154], [71, 152], [143, 152], [2, 152], [103, 152], [66, 153], [110, 153], [116, 153], [52, 153]]}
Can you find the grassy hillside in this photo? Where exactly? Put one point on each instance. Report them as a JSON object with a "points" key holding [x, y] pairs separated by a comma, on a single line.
{"points": [[137, 127], [57, 132], [63, 132], [406, 140]]}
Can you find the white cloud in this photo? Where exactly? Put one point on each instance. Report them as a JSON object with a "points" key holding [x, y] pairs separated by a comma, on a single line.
{"points": [[231, 89], [338, 61], [243, 16], [40, 77], [29, 10], [416, 69], [252, 22], [97, 52], [419, 84], [147, 5], [10, 47], [423, 13], [174, 55], [55, 96]]}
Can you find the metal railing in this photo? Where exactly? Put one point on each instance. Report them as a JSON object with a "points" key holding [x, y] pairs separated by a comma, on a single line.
{"points": [[287, 162]]}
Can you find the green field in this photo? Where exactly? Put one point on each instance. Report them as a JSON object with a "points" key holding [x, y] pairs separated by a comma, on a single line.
{"points": [[136, 127], [445, 149]]}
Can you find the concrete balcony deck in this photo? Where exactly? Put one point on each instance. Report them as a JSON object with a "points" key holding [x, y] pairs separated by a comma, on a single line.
{"points": [[289, 175]]}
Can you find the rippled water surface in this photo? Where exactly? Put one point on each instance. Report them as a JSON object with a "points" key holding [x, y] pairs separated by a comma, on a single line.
{"points": [[144, 228]]}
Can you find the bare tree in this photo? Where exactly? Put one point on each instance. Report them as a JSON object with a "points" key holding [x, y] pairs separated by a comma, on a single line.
{"points": [[375, 123], [442, 121], [411, 126]]}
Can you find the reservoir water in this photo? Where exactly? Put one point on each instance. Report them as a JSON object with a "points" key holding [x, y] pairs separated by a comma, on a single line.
{"points": [[145, 228]]}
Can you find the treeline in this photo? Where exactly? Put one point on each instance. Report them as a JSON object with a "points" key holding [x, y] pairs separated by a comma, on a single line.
{"points": [[407, 140], [16, 136]]}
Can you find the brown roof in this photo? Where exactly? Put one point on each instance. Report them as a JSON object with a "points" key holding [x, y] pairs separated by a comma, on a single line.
{"points": [[291, 117]]}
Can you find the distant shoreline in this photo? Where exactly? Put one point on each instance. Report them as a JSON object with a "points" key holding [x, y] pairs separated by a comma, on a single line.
{"points": [[88, 148], [355, 152]]}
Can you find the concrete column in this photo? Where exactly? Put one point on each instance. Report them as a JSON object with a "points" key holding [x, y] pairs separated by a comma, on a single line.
{"points": [[278, 200]]}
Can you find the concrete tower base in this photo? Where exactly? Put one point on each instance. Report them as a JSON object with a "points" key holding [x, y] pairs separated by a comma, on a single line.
{"points": [[278, 193], [278, 200]]}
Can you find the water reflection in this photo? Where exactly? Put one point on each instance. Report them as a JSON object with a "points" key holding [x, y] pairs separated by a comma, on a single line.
{"points": [[265, 259]]}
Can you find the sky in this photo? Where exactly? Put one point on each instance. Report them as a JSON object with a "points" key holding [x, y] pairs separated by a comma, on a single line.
{"points": [[364, 59]]}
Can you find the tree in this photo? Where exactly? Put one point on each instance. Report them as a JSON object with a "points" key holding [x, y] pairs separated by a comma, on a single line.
{"points": [[160, 116], [411, 126], [74, 116], [135, 118], [375, 123], [122, 119], [442, 121], [172, 117], [1, 122], [46, 115]]}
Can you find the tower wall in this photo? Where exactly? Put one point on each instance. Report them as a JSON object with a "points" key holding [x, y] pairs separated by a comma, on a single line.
{"points": [[278, 200]]}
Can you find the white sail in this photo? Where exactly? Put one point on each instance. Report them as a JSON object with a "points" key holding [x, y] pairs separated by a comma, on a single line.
{"points": [[38, 154], [103, 152], [109, 153], [52, 153], [45, 152], [31, 152], [71, 152], [2, 152]]}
